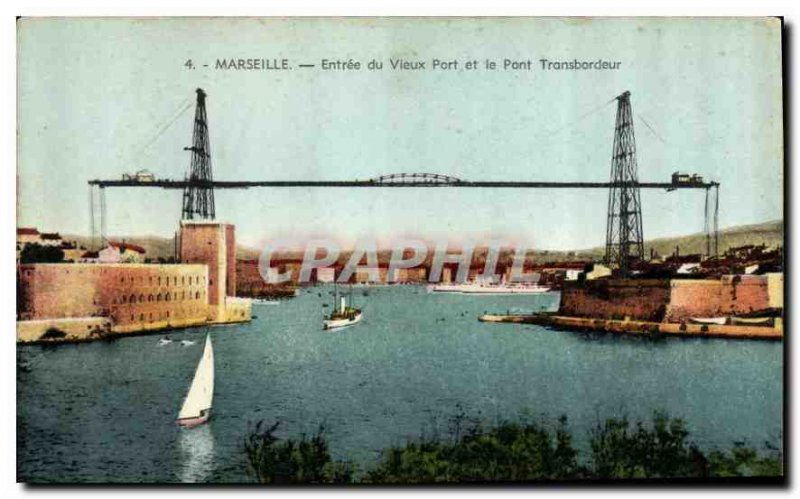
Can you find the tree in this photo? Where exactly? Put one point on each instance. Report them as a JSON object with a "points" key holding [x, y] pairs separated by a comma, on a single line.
{"points": [[37, 253]]}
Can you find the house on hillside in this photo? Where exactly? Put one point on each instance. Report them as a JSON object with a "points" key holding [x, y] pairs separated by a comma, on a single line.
{"points": [[121, 252], [50, 239], [26, 235], [89, 257]]}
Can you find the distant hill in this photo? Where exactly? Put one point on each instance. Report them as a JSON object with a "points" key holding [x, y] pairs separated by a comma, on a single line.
{"points": [[769, 233], [158, 247]]}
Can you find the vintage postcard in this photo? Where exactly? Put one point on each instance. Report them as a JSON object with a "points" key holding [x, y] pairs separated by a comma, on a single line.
{"points": [[400, 250]]}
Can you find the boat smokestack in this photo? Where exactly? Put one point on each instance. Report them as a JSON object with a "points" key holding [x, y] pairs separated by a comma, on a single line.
{"points": [[342, 303]]}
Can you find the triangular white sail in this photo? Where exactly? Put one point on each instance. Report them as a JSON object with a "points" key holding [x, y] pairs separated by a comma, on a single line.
{"points": [[198, 400]]}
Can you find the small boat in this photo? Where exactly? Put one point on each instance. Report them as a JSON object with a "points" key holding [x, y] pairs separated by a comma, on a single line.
{"points": [[264, 301], [343, 316], [709, 320], [753, 321], [164, 341], [488, 288], [186, 343], [196, 407]]}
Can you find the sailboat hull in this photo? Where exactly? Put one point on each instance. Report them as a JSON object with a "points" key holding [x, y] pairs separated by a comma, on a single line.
{"points": [[192, 422]]}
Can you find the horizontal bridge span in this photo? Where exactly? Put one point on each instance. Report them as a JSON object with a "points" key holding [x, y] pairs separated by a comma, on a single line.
{"points": [[234, 184]]}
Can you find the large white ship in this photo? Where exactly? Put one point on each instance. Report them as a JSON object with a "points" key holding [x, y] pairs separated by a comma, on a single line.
{"points": [[488, 288]]}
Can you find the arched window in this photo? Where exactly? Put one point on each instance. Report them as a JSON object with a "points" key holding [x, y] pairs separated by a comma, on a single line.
{"points": [[166, 297], [158, 298], [197, 295], [149, 297], [123, 299], [132, 299], [141, 298]]}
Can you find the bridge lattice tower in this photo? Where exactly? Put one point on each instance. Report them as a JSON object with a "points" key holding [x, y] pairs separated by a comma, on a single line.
{"points": [[198, 199], [624, 237]]}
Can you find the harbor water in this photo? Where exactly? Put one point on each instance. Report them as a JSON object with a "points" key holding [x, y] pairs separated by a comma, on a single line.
{"points": [[105, 411]]}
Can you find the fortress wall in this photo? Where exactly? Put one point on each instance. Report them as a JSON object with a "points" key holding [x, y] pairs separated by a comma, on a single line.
{"points": [[59, 291], [694, 298], [638, 299], [135, 296], [775, 289], [729, 295], [670, 300], [230, 260], [140, 297], [156, 296], [742, 294], [72, 329], [237, 309], [212, 243], [205, 243]]}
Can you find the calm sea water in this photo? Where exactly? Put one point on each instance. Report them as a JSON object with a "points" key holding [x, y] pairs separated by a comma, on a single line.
{"points": [[106, 411]]}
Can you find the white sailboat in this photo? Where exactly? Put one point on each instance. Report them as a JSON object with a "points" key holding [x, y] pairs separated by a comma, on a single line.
{"points": [[197, 405]]}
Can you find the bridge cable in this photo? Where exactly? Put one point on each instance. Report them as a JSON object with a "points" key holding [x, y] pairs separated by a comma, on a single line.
{"points": [[91, 218], [578, 119], [707, 225], [716, 220], [185, 105], [652, 130], [103, 236]]}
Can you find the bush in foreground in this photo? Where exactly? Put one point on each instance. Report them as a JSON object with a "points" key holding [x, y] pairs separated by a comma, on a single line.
{"points": [[293, 461], [513, 452]]}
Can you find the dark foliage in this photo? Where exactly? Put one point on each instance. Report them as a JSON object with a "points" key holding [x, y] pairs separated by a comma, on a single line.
{"points": [[513, 452], [53, 333], [37, 253], [293, 462], [510, 452]]}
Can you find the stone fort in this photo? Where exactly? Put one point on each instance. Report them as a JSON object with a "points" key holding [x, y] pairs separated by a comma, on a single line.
{"points": [[84, 301]]}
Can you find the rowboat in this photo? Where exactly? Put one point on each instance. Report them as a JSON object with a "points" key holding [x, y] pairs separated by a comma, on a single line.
{"points": [[709, 320]]}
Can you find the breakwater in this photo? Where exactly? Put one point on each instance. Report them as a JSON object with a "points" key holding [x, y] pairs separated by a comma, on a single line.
{"points": [[637, 327]]}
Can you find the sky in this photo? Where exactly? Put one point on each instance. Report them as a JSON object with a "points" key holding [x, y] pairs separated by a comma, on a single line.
{"points": [[101, 97]]}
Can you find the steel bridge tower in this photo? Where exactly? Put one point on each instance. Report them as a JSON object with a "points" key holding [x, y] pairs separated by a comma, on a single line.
{"points": [[198, 199], [624, 240]]}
